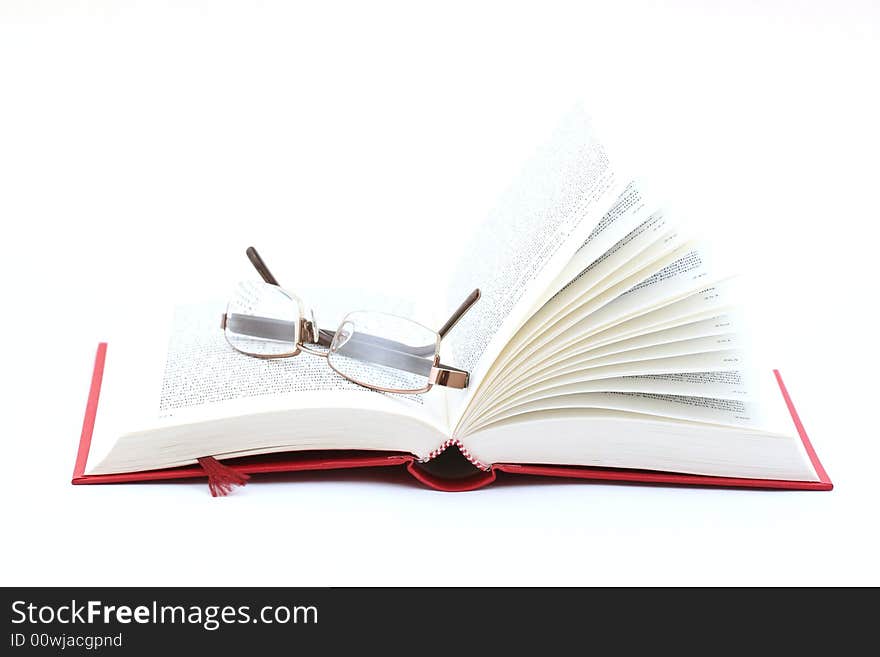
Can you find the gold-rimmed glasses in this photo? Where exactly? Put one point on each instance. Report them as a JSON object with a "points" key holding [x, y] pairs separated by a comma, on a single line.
{"points": [[376, 350]]}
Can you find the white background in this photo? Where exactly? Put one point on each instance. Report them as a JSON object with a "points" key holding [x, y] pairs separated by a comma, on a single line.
{"points": [[143, 147]]}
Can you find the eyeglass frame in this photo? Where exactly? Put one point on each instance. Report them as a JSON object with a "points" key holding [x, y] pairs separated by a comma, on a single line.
{"points": [[308, 331]]}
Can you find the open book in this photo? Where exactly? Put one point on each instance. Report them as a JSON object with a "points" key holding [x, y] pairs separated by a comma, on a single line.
{"points": [[602, 344]]}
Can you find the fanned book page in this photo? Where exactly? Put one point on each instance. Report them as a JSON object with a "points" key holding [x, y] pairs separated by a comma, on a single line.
{"points": [[538, 225], [602, 337]]}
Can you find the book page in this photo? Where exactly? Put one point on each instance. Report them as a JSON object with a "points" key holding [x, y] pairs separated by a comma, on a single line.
{"points": [[515, 256], [203, 370], [619, 439], [718, 385], [629, 211], [712, 361], [172, 369], [670, 276], [648, 247], [205, 378], [727, 412], [598, 347], [574, 370]]}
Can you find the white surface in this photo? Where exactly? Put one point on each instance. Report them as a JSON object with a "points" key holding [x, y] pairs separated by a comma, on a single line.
{"points": [[142, 149]]}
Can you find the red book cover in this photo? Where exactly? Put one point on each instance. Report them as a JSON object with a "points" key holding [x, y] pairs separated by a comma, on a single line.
{"points": [[339, 459]]}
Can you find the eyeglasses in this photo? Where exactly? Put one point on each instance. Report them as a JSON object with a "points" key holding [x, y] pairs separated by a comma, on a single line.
{"points": [[373, 349]]}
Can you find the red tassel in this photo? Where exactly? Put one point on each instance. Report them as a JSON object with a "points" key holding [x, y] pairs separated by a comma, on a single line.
{"points": [[221, 478]]}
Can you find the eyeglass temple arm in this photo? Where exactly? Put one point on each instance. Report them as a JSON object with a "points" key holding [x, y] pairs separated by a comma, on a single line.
{"points": [[260, 266], [459, 312], [309, 327]]}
